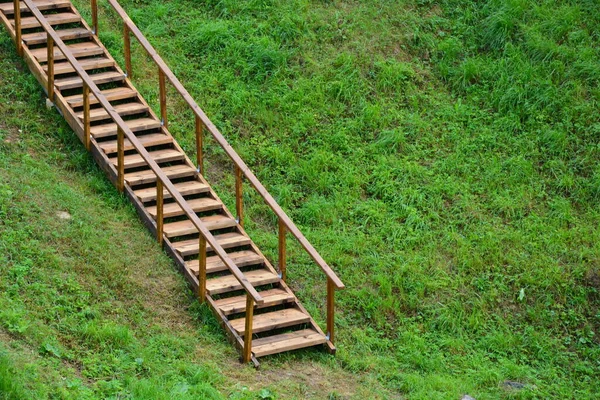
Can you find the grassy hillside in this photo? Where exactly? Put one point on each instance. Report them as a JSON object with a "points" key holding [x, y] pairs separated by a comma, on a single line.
{"points": [[442, 156]]}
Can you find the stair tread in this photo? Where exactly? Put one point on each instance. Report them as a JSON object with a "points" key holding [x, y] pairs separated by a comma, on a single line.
{"points": [[52, 19], [98, 114], [271, 320], [186, 227], [229, 283], [287, 342], [87, 64], [8, 8], [237, 304], [114, 94], [64, 34], [136, 160], [198, 205], [76, 82], [214, 264], [136, 125], [226, 240], [83, 49], [184, 188], [148, 176], [153, 139]]}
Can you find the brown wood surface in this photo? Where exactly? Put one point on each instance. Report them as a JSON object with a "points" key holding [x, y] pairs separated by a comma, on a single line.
{"points": [[183, 188], [229, 283], [226, 240], [202, 204], [286, 342], [240, 258], [148, 176], [248, 329], [187, 227], [271, 320]]}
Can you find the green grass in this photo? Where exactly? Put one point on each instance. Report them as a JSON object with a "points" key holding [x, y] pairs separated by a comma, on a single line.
{"points": [[442, 156]]}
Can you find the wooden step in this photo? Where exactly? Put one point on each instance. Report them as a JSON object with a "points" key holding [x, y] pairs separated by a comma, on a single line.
{"points": [[64, 67], [202, 204], [135, 125], [271, 320], [115, 94], [65, 34], [98, 114], [42, 5], [153, 139], [226, 240], [84, 49], [76, 82], [52, 19], [148, 176], [160, 156], [184, 188], [229, 283], [242, 258], [186, 227], [237, 304], [287, 342]]}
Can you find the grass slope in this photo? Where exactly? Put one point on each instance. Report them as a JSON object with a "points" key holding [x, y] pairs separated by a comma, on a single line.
{"points": [[443, 157]]}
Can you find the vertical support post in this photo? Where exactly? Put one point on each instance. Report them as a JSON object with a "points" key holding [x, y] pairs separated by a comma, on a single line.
{"points": [[330, 309], [248, 331], [95, 17], [18, 40], [163, 97], [202, 269], [120, 159], [50, 73], [200, 145], [159, 211], [86, 116], [127, 49], [282, 252], [239, 205]]}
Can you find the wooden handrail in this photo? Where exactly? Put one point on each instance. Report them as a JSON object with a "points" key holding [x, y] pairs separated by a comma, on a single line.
{"points": [[160, 175], [220, 139]]}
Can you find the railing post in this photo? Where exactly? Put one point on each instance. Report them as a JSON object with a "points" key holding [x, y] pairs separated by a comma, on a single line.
{"points": [[18, 40], [248, 331], [159, 211], [86, 116], [202, 269], [120, 159], [330, 309], [163, 97], [239, 205], [50, 73], [282, 252], [199, 145], [127, 49], [95, 17]]}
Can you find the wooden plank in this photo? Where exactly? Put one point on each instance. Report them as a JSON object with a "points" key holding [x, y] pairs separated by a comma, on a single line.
{"points": [[286, 342], [76, 82], [148, 176], [115, 94], [153, 139], [136, 125], [226, 240], [65, 34], [52, 19], [88, 64], [202, 204], [242, 258], [271, 320], [98, 114], [42, 5], [135, 160], [237, 304], [229, 283], [184, 188], [186, 227], [84, 49]]}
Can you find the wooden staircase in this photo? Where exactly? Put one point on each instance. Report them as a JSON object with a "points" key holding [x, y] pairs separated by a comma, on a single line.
{"points": [[133, 145]]}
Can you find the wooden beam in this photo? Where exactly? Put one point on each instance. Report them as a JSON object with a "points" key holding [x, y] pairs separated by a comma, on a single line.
{"points": [[239, 202], [163, 97], [330, 309], [120, 158], [86, 116], [248, 330], [159, 211], [282, 250], [18, 39], [50, 73], [202, 269], [94, 6], [199, 145], [127, 50]]}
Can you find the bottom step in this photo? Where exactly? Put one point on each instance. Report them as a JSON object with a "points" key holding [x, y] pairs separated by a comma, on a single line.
{"points": [[286, 342]]}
